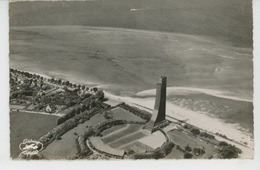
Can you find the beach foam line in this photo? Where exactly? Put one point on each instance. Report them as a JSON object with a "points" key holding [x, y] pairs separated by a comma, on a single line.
{"points": [[188, 90]]}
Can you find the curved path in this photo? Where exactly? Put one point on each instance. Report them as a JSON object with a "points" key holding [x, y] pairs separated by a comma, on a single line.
{"points": [[96, 144]]}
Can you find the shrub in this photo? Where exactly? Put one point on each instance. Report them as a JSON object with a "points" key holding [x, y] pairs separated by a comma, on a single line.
{"points": [[223, 143], [161, 152], [188, 148], [100, 95], [186, 126], [195, 131], [229, 151], [206, 135], [198, 151], [188, 155]]}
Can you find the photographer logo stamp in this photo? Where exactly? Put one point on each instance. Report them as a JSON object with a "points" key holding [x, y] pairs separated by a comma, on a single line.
{"points": [[30, 147]]}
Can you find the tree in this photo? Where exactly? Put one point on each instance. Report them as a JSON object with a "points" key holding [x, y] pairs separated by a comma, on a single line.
{"points": [[198, 151], [84, 107], [78, 110], [188, 148], [26, 74], [188, 155], [59, 81], [95, 89], [83, 87], [195, 131], [228, 152], [100, 95], [223, 143], [67, 83]]}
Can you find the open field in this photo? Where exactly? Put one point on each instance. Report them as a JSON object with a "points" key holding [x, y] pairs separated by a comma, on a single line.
{"points": [[122, 114], [137, 147], [181, 139], [66, 147], [175, 154], [28, 126], [16, 107]]}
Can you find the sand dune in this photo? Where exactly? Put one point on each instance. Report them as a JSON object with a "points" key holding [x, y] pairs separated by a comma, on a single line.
{"points": [[183, 90]]}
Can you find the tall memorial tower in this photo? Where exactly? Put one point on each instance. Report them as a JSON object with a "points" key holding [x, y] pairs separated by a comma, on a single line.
{"points": [[158, 116]]}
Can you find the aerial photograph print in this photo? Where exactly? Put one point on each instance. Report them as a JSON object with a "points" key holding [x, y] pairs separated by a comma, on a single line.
{"points": [[131, 79]]}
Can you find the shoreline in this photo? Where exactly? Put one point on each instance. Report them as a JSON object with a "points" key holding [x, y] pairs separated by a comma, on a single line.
{"points": [[189, 90], [232, 131], [203, 121]]}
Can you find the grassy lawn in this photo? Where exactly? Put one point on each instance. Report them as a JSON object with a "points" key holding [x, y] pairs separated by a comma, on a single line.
{"points": [[114, 129], [175, 154], [120, 113], [127, 139], [66, 147], [28, 126], [137, 147], [120, 134], [182, 140]]}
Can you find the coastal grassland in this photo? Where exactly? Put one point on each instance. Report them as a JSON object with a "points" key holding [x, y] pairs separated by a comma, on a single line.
{"points": [[138, 147], [66, 147], [175, 154], [28, 126], [181, 139], [123, 114]]}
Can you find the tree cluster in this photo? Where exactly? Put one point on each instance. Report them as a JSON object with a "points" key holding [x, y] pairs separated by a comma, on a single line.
{"points": [[140, 113], [227, 151], [158, 153], [71, 113]]}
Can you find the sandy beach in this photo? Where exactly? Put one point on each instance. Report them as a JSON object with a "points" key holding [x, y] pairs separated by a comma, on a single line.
{"points": [[216, 93]]}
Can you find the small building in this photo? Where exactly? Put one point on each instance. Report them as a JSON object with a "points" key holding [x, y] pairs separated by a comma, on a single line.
{"points": [[48, 109]]}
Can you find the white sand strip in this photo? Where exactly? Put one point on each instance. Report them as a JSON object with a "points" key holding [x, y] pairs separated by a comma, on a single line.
{"points": [[188, 90]]}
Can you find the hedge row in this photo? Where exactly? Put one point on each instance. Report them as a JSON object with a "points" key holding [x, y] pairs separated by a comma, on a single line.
{"points": [[140, 113], [69, 124], [160, 152]]}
